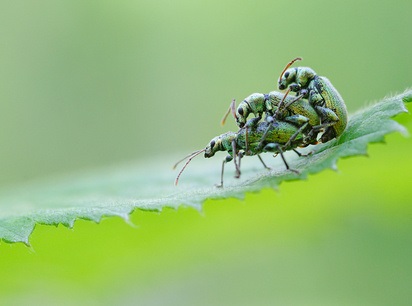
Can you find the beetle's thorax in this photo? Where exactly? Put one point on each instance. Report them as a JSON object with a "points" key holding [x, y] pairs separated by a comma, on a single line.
{"points": [[304, 75]]}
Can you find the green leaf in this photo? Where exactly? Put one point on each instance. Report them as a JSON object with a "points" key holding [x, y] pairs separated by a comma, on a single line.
{"points": [[117, 191]]}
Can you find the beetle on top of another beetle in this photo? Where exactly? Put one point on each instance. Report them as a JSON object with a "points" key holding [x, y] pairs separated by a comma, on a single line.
{"points": [[317, 114]]}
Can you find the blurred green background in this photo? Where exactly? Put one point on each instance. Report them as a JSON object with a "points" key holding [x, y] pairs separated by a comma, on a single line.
{"points": [[86, 84]]}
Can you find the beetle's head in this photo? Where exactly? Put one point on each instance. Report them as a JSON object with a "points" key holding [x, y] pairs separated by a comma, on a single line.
{"points": [[254, 103], [214, 146], [241, 113], [220, 143], [288, 77]]}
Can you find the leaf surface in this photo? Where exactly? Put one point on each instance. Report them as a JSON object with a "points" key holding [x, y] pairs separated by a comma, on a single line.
{"points": [[117, 191]]}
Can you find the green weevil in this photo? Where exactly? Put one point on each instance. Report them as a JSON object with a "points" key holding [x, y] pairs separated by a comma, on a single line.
{"points": [[258, 104], [321, 94], [282, 136]]}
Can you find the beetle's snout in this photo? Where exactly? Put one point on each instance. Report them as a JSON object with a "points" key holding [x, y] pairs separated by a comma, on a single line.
{"points": [[209, 153]]}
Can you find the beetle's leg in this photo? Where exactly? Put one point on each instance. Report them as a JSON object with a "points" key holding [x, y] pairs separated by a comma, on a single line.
{"points": [[329, 134], [263, 163], [268, 103], [247, 141], [328, 118], [269, 120], [300, 96], [226, 160], [327, 114], [311, 138], [296, 119], [240, 155], [293, 137], [315, 98], [301, 154], [252, 123], [304, 92], [221, 174], [275, 147], [234, 150], [280, 105], [322, 126], [295, 87]]}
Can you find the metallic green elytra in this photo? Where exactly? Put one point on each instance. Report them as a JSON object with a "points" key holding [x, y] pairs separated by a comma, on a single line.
{"points": [[330, 106], [259, 104], [295, 107], [322, 96], [281, 136]]}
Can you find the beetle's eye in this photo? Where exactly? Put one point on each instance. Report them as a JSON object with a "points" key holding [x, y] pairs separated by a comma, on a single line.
{"points": [[240, 111], [212, 144], [286, 74]]}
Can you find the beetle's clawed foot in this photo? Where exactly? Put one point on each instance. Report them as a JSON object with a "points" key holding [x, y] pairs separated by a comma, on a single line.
{"points": [[294, 171], [306, 154]]}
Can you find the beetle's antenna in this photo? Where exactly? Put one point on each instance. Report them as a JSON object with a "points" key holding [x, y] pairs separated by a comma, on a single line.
{"points": [[190, 157], [187, 156], [232, 108], [288, 65]]}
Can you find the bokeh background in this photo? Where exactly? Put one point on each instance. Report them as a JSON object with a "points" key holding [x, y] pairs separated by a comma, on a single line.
{"points": [[86, 84]]}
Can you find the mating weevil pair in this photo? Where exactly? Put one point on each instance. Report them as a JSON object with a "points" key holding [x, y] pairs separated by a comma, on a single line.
{"points": [[291, 122], [316, 99]]}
